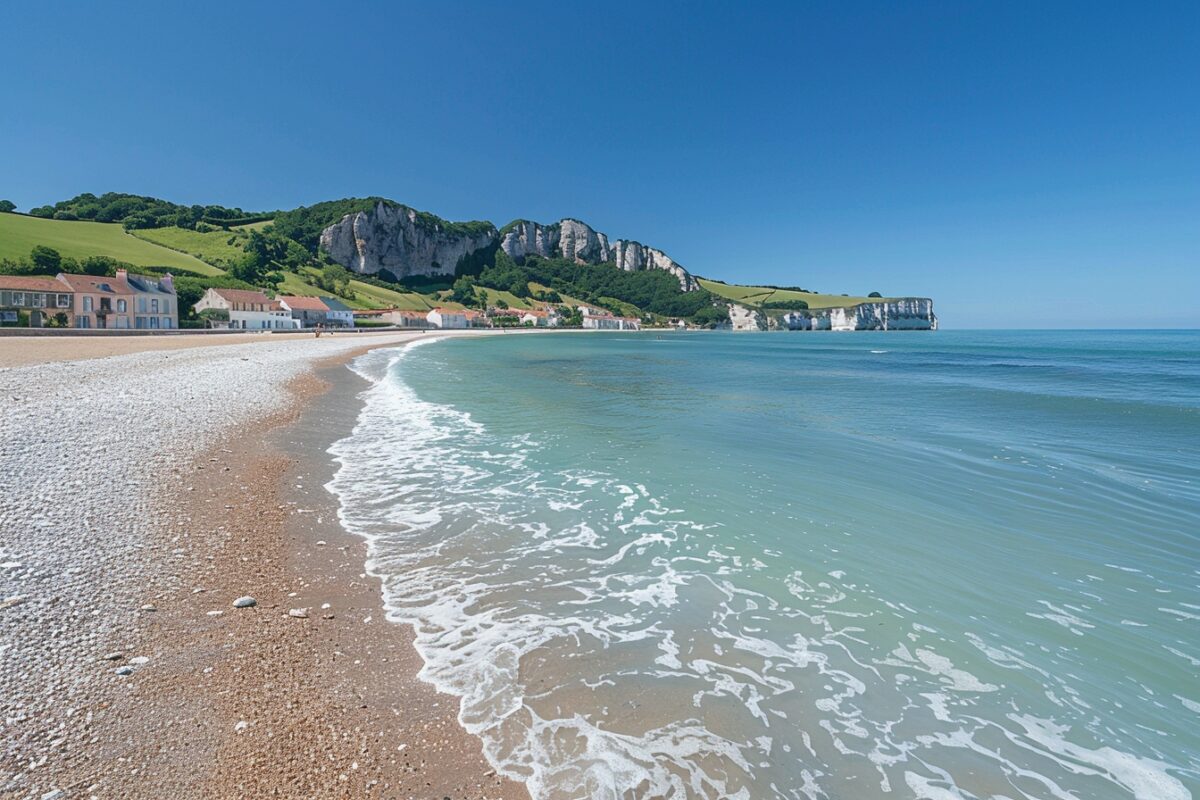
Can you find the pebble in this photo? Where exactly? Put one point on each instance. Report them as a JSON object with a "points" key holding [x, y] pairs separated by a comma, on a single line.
{"points": [[139, 660], [149, 607], [299, 613], [114, 656], [245, 602], [215, 613], [124, 671], [54, 794]]}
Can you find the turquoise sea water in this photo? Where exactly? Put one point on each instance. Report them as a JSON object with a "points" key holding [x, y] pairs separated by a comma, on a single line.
{"points": [[869, 565]]}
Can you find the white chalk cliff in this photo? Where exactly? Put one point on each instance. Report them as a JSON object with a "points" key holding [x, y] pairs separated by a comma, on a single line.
{"points": [[402, 241], [578, 242], [899, 314], [406, 242]]}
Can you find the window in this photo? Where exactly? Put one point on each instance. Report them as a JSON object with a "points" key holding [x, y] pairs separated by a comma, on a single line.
{"points": [[121, 306], [87, 303], [166, 322], [83, 322], [142, 305], [154, 322], [154, 306], [64, 301], [18, 298], [37, 299]]}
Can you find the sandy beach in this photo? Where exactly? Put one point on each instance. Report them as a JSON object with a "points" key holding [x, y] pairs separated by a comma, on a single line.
{"points": [[146, 485]]}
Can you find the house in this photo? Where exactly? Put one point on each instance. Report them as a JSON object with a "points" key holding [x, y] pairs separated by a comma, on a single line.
{"points": [[629, 323], [339, 314], [155, 304], [599, 321], [43, 299], [476, 319], [244, 309], [447, 318], [392, 316], [308, 311], [538, 319], [123, 301]]}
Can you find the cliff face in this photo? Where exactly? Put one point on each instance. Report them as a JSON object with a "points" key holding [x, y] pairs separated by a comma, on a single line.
{"points": [[578, 242], [902, 314], [402, 241]]}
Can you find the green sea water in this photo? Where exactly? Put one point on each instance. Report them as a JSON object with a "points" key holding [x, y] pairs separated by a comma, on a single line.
{"points": [[871, 565]]}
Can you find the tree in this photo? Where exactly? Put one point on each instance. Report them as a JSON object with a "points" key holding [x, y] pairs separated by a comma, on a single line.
{"points": [[7, 206], [874, 294], [463, 291], [100, 265], [46, 259]]}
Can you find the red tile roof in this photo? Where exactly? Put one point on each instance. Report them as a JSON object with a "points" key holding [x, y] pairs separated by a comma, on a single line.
{"points": [[23, 284], [297, 303], [98, 284], [243, 296]]}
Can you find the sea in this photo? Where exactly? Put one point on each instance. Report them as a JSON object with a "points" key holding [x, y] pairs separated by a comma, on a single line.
{"points": [[937, 565]]}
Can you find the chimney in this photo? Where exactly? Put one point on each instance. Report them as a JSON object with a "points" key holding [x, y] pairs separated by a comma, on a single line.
{"points": [[167, 283], [122, 273]]}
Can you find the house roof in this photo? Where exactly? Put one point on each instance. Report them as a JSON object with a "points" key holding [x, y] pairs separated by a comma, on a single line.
{"points": [[333, 304], [243, 296], [28, 284], [96, 284], [440, 310], [298, 303], [143, 283]]}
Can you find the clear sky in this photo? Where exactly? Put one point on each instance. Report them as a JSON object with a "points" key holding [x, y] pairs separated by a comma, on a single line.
{"points": [[1025, 164]]}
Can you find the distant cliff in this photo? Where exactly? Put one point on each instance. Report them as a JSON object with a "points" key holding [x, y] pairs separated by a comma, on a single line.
{"points": [[898, 314], [403, 241], [578, 242], [406, 242]]}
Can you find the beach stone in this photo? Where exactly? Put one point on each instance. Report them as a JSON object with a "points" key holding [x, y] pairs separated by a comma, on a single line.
{"points": [[114, 656], [124, 671], [149, 607], [139, 660], [54, 794], [245, 601], [299, 613]]}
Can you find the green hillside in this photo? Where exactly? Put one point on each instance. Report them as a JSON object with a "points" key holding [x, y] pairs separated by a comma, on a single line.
{"points": [[757, 295], [217, 247], [19, 234]]}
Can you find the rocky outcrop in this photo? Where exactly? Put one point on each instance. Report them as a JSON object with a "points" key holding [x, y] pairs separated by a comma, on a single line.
{"points": [[403, 241], [742, 318], [578, 242], [901, 314]]}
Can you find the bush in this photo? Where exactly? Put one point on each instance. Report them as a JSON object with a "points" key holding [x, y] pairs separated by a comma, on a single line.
{"points": [[7, 206], [874, 294]]}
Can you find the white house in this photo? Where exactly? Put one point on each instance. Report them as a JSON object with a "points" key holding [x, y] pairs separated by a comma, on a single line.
{"points": [[600, 321], [246, 310], [539, 319], [339, 314], [629, 323], [447, 318]]}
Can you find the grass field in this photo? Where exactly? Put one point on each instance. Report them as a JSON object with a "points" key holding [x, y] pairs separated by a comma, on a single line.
{"points": [[19, 234], [757, 295], [218, 248]]}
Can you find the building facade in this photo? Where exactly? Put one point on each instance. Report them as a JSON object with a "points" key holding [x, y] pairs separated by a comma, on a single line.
{"points": [[339, 315], [447, 318], [309, 312], [35, 301], [244, 310]]}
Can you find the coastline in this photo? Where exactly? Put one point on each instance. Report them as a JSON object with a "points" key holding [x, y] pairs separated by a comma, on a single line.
{"points": [[221, 701]]}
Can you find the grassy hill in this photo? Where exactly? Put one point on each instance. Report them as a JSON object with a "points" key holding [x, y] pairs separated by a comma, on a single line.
{"points": [[19, 234], [757, 295], [218, 248]]}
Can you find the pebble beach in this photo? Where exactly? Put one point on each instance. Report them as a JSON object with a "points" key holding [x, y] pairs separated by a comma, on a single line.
{"points": [[180, 614]]}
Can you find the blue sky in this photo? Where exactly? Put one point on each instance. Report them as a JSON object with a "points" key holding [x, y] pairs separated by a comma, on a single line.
{"points": [[1025, 164]]}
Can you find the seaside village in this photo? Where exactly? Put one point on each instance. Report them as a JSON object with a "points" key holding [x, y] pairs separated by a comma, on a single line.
{"points": [[138, 302]]}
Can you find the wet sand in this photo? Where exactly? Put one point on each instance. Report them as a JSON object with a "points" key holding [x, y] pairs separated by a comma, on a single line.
{"points": [[308, 693]]}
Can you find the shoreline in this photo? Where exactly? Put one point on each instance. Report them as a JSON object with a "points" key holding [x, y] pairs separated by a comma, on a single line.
{"points": [[221, 701]]}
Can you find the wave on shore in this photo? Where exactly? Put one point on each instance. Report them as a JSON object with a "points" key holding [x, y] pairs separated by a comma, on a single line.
{"points": [[606, 639]]}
